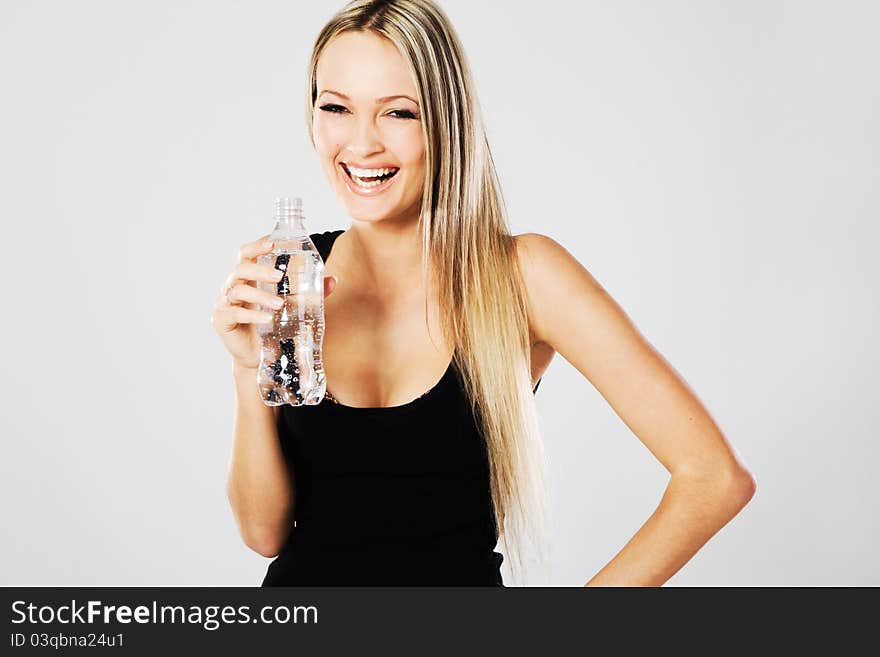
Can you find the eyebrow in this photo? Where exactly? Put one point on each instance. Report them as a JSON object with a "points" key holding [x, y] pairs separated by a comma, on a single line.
{"points": [[383, 99]]}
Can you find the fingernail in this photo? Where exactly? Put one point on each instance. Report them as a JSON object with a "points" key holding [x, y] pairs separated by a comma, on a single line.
{"points": [[335, 281], [267, 244], [277, 275], [277, 302]]}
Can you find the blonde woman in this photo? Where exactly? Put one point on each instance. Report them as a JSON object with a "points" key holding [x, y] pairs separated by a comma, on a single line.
{"points": [[439, 325]]}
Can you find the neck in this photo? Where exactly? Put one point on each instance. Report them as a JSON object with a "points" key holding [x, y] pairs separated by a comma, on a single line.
{"points": [[387, 255]]}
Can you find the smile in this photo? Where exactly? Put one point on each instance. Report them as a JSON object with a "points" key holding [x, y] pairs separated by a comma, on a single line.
{"points": [[371, 181]]}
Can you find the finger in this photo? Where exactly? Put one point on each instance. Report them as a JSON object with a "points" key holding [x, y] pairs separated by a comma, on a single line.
{"points": [[251, 271], [251, 250], [226, 318], [248, 273], [242, 293], [330, 283], [231, 282]]}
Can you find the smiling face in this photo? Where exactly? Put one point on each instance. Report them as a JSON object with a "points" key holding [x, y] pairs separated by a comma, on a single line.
{"points": [[367, 128]]}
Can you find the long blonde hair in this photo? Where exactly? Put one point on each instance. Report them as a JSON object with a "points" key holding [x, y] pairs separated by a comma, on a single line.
{"points": [[466, 238]]}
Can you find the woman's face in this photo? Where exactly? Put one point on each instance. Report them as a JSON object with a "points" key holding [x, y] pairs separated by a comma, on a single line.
{"points": [[366, 116]]}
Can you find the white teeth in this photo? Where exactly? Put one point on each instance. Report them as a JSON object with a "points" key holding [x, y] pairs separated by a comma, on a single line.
{"points": [[357, 174], [370, 173], [367, 185]]}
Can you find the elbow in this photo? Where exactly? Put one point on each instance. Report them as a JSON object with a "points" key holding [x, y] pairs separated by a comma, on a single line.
{"points": [[732, 487], [266, 544], [738, 487], [257, 538], [746, 485], [264, 548]]}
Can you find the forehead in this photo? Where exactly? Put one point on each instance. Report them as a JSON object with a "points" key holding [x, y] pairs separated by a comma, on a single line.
{"points": [[363, 66]]}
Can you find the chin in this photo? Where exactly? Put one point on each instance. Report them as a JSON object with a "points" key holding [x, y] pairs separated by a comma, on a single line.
{"points": [[370, 211], [358, 214]]}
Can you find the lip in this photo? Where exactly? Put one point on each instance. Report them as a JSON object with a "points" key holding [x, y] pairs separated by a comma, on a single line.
{"points": [[357, 165], [372, 191]]}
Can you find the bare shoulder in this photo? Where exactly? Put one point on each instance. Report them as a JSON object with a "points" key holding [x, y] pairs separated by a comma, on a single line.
{"points": [[535, 248], [553, 278]]}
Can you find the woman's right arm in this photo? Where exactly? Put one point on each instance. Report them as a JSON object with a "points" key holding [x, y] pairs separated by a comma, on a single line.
{"points": [[259, 485]]}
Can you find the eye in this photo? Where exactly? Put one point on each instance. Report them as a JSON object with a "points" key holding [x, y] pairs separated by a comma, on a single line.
{"points": [[334, 109], [404, 114]]}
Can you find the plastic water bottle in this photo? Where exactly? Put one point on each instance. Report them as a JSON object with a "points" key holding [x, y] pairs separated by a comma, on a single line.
{"points": [[291, 371]]}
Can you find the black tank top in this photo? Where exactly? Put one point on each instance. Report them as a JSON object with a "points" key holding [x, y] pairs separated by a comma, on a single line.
{"points": [[388, 496]]}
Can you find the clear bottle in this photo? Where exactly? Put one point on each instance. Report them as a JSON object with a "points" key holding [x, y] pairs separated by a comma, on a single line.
{"points": [[291, 371]]}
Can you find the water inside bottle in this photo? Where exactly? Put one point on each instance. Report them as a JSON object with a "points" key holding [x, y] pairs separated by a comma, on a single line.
{"points": [[291, 371]]}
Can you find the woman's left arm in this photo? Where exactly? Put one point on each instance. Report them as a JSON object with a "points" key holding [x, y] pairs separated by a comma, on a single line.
{"points": [[571, 312]]}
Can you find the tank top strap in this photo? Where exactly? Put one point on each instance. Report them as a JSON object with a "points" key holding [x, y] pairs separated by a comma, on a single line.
{"points": [[324, 241]]}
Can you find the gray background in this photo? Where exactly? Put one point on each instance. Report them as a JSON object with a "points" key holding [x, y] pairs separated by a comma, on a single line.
{"points": [[713, 164]]}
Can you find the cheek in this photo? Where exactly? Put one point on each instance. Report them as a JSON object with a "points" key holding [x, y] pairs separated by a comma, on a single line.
{"points": [[409, 148], [329, 137]]}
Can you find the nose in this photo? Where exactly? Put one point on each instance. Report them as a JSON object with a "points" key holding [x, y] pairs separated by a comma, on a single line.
{"points": [[364, 139]]}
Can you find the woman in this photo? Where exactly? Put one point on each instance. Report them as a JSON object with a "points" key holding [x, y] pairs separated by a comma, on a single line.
{"points": [[426, 449]]}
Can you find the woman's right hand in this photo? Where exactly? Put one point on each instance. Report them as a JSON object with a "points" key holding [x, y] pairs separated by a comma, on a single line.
{"points": [[236, 310]]}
